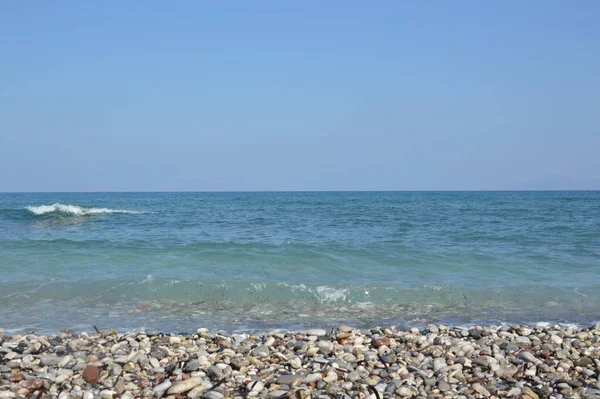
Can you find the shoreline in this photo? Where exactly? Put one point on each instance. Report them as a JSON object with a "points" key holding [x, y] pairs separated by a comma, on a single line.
{"points": [[437, 362]]}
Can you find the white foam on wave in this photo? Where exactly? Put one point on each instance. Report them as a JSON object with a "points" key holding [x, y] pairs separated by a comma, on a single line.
{"points": [[327, 294], [73, 210]]}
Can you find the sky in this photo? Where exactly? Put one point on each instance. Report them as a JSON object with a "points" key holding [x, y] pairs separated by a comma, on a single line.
{"points": [[311, 95]]}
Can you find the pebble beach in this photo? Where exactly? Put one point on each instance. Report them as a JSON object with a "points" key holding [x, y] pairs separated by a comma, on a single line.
{"points": [[541, 361]]}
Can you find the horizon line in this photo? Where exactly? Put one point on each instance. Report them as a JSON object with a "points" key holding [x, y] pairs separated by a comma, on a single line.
{"points": [[296, 191]]}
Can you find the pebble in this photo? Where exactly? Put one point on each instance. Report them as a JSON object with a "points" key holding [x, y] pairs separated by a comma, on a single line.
{"points": [[289, 379], [162, 388], [345, 363], [213, 395], [49, 360], [481, 389], [528, 357], [444, 386], [529, 394], [91, 374]]}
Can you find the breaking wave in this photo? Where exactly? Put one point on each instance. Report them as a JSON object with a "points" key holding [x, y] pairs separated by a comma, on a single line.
{"points": [[73, 210]]}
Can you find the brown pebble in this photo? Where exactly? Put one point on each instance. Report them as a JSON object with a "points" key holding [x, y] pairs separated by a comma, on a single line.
{"points": [[91, 374], [32, 385], [17, 378], [92, 358], [144, 382], [381, 342]]}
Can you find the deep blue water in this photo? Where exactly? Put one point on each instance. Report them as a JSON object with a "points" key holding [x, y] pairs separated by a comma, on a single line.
{"points": [[256, 261]]}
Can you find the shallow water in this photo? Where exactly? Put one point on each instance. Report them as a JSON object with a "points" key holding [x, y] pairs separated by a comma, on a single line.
{"points": [[256, 261]]}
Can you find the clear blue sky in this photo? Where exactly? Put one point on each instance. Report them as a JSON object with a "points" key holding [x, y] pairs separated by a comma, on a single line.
{"points": [[311, 95]]}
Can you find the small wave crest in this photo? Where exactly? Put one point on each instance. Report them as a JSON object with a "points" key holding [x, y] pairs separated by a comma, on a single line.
{"points": [[75, 210]]}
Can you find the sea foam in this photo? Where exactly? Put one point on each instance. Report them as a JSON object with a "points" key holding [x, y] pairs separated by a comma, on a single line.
{"points": [[73, 210]]}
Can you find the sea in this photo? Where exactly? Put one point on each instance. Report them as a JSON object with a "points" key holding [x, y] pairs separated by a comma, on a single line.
{"points": [[258, 261]]}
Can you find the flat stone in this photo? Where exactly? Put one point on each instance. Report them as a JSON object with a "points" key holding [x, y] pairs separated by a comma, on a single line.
{"points": [[439, 363], [260, 351], [528, 357], [214, 372], [290, 379], [49, 360], [107, 394], [254, 387], [279, 394], [317, 332], [162, 387], [584, 362], [213, 395], [529, 394], [345, 329], [444, 386], [33, 384], [506, 372], [523, 340], [481, 389], [185, 386], [378, 342]]}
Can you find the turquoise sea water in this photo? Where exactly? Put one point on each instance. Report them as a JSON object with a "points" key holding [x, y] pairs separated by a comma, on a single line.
{"points": [[257, 261]]}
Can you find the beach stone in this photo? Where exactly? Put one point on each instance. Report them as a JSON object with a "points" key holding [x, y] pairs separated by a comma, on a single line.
{"points": [[198, 391], [506, 372], [296, 363], [107, 394], [344, 329], [330, 377], [279, 394], [185, 386], [64, 361], [161, 388], [443, 386], [438, 364], [33, 384], [91, 374], [529, 394], [260, 351], [49, 360], [528, 357], [325, 347], [192, 365], [523, 340], [353, 376], [311, 378], [383, 341], [316, 332], [213, 395], [556, 339], [481, 389], [584, 362], [214, 372], [254, 387], [289, 379]]}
